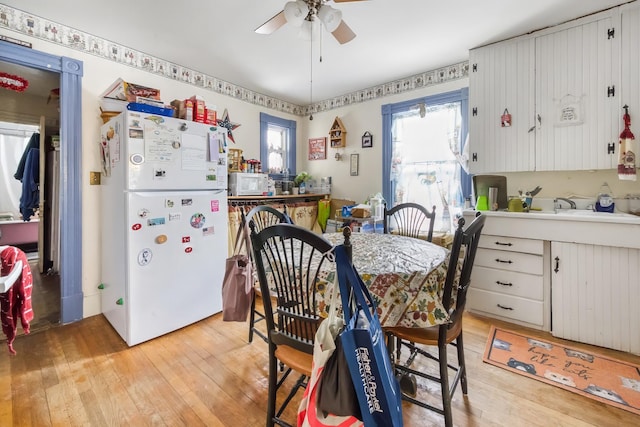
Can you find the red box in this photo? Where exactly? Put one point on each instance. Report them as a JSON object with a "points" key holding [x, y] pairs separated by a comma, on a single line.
{"points": [[211, 116], [199, 113]]}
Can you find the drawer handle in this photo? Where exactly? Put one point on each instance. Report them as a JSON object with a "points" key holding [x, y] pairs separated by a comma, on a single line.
{"points": [[504, 244], [503, 307], [503, 283], [503, 261]]}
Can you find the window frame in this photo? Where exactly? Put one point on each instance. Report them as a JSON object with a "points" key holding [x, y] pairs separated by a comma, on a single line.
{"points": [[388, 110], [267, 120]]}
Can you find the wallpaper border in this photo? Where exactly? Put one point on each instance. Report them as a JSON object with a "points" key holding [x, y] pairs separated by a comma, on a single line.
{"points": [[44, 29]]}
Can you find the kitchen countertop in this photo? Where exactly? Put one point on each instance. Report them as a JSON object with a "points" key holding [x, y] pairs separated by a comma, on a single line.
{"points": [[595, 228], [568, 215], [282, 196]]}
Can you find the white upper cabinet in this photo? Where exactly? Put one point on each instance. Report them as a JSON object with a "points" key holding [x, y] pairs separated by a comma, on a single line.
{"points": [[501, 82], [577, 97], [562, 88], [630, 54]]}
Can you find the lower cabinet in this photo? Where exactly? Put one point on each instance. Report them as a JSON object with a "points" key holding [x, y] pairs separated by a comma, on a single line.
{"points": [[508, 280], [595, 294]]}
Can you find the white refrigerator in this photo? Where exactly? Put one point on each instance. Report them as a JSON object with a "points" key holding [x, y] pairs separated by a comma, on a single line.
{"points": [[164, 223]]}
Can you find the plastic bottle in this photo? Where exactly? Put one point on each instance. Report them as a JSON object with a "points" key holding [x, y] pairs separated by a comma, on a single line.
{"points": [[302, 188], [604, 201]]}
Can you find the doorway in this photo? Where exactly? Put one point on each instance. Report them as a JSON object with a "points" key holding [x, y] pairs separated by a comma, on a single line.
{"points": [[70, 206]]}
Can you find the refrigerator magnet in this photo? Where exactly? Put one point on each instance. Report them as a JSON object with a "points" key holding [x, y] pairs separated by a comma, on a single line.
{"points": [[174, 216], [155, 221], [162, 238], [143, 213], [168, 203], [197, 220], [137, 159], [215, 205], [208, 231], [144, 257]]}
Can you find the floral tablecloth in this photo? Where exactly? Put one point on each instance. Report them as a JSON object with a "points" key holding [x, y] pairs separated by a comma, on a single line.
{"points": [[404, 275]]}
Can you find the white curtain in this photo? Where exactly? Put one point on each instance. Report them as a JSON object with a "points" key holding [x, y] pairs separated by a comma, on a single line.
{"points": [[13, 141]]}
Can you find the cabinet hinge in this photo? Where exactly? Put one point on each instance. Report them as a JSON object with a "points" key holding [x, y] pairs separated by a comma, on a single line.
{"points": [[611, 91], [474, 157], [474, 68], [611, 32], [611, 148], [474, 111]]}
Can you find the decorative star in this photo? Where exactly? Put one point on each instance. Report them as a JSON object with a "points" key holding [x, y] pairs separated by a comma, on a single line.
{"points": [[228, 124]]}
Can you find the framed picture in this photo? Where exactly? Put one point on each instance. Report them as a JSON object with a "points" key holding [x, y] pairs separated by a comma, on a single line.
{"points": [[367, 140], [318, 148], [355, 159]]}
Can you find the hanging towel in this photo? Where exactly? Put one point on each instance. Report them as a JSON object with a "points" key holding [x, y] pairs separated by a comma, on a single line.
{"points": [[30, 197], [628, 150], [16, 302]]}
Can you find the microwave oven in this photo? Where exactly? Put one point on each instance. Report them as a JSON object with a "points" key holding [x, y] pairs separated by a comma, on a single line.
{"points": [[249, 184]]}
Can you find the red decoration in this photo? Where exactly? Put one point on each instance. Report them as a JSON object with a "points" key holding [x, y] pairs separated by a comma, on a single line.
{"points": [[11, 82]]}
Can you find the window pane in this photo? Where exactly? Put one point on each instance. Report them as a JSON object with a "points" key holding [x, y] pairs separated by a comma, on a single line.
{"points": [[424, 169], [277, 140]]}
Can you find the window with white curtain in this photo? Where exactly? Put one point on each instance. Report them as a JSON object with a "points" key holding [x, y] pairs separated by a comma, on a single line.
{"points": [[13, 141], [422, 157], [277, 145]]}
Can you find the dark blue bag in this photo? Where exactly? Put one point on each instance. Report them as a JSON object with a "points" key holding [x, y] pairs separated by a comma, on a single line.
{"points": [[365, 349]]}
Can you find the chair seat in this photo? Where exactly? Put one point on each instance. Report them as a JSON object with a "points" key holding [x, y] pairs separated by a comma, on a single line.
{"points": [[425, 336], [297, 360]]}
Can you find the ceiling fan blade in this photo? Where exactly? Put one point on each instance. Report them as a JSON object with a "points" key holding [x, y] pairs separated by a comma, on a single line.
{"points": [[272, 24], [343, 33]]}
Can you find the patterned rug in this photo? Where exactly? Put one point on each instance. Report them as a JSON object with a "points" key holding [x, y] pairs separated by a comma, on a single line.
{"points": [[598, 377]]}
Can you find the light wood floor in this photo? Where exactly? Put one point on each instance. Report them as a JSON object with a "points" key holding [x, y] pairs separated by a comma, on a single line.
{"points": [[206, 374]]}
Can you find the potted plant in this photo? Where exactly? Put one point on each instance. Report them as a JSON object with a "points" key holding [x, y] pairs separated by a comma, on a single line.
{"points": [[299, 182]]}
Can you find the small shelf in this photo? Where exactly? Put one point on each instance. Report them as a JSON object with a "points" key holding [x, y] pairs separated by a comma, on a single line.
{"points": [[235, 159], [338, 134]]}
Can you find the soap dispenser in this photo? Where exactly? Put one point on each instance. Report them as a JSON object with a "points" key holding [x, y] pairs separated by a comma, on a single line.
{"points": [[604, 202]]}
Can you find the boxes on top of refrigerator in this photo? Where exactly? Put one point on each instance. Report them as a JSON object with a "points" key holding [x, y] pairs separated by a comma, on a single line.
{"points": [[126, 91]]}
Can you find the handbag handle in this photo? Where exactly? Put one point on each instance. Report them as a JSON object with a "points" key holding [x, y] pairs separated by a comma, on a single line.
{"points": [[242, 238], [350, 280]]}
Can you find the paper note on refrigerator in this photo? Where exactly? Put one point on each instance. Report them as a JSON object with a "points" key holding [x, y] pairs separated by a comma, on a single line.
{"points": [[214, 147], [194, 152]]}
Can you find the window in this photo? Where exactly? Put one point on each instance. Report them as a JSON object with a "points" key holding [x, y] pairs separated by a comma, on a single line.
{"points": [[422, 144], [277, 145]]}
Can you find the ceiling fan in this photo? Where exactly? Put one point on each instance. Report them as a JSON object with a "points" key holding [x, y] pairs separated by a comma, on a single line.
{"points": [[303, 12]]}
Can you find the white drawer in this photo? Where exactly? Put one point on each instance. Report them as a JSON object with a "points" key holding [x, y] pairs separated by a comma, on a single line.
{"points": [[521, 309], [512, 261], [508, 282], [512, 244]]}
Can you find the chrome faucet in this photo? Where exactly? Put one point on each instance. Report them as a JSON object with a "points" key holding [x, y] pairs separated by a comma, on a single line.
{"points": [[556, 202]]}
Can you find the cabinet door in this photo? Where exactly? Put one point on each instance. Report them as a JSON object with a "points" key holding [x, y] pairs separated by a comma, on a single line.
{"points": [[577, 73], [502, 80], [595, 294], [630, 61]]}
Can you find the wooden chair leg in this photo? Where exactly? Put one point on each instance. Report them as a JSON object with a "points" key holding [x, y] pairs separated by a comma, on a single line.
{"points": [[461, 364], [444, 385], [273, 386], [252, 317]]}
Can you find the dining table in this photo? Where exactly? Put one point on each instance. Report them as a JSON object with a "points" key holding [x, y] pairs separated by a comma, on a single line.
{"points": [[404, 275]]}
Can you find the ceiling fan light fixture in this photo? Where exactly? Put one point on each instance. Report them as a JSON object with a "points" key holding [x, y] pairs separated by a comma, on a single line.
{"points": [[330, 17], [295, 12], [306, 30]]}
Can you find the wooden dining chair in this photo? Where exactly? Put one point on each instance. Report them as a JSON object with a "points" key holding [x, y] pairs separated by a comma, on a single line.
{"points": [[288, 259], [410, 219], [263, 216], [454, 296]]}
